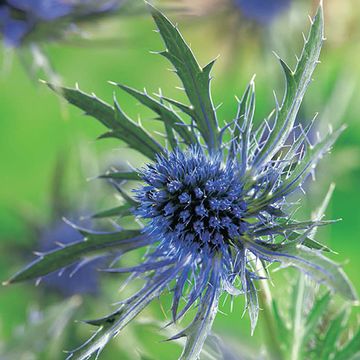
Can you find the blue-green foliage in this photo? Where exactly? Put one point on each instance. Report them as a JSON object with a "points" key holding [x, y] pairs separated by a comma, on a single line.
{"points": [[44, 334], [211, 209], [314, 328]]}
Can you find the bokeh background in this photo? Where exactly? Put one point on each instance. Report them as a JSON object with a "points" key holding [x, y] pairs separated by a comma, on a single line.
{"points": [[36, 127]]}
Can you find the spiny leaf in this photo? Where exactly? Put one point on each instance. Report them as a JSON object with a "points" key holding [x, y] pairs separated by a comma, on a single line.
{"points": [[296, 84], [170, 136], [280, 324], [93, 243], [128, 199], [307, 163], [196, 80], [297, 316], [279, 229], [330, 342], [294, 236], [312, 244], [314, 316], [43, 335], [111, 325], [119, 211], [311, 262], [303, 167], [184, 108], [252, 303], [351, 349], [120, 125], [243, 125], [167, 115]]}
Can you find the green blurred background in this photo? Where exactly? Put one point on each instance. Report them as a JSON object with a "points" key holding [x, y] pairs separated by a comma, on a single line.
{"points": [[36, 126]]}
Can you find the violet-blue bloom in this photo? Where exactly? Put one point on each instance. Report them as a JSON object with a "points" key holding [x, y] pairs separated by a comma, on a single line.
{"points": [[42, 9], [12, 29], [262, 11], [203, 212]]}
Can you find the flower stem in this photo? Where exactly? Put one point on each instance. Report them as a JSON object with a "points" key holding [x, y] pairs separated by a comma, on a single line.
{"points": [[270, 332], [298, 331]]}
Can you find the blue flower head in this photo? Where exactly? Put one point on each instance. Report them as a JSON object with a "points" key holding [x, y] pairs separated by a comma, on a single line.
{"points": [[262, 11], [20, 19], [212, 199], [192, 200]]}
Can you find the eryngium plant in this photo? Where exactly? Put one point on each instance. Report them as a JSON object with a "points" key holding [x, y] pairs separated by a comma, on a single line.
{"points": [[213, 200]]}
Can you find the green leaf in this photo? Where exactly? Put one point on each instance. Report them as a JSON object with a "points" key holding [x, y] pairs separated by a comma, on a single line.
{"points": [[330, 342], [295, 236], [306, 164], [245, 108], [112, 324], [306, 241], [120, 125], [314, 316], [43, 336], [297, 316], [252, 303], [128, 199], [93, 243], [297, 82], [282, 330], [167, 116], [315, 245], [351, 349], [119, 211], [301, 171], [196, 81], [243, 125], [279, 229], [170, 136], [135, 134], [311, 262]]}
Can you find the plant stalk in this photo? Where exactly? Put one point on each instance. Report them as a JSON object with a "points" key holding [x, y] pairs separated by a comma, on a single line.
{"points": [[270, 332]]}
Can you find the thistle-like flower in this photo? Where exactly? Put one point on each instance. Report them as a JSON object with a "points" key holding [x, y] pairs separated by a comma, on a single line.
{"points": [[213, 200]]}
